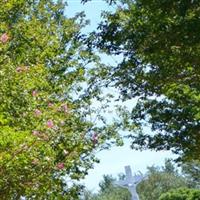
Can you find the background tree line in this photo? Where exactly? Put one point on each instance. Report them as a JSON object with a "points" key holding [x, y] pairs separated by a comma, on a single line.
{"points": [[162, 183]]}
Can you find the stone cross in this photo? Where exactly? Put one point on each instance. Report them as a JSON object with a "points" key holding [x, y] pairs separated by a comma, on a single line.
{"points": [[130, 182]]}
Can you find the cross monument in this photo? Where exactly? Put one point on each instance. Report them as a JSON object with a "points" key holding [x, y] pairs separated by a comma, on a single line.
{"points": [[130, 182]]}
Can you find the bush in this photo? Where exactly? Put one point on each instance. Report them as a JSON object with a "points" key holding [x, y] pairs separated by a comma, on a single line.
{"points": [[181, 194]]}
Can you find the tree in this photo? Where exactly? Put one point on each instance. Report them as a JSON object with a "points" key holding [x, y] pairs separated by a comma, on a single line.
{"points": [[159, 41], [46, 139], [181, 194], [191, 172], [108, 191], [160, 181], [108, 1]]}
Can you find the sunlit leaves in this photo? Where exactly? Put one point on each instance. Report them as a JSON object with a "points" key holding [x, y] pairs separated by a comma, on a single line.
{"points": [[45, 133]]}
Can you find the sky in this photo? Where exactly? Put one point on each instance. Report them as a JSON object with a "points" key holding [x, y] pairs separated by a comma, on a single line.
{"points": [[113, 161]]}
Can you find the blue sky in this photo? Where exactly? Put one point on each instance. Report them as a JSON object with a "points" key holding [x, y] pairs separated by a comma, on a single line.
{"points": [[114, 160]]}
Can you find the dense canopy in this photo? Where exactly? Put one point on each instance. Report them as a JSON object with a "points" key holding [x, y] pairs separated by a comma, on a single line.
{"points": [[46, 129], [159, 42]]}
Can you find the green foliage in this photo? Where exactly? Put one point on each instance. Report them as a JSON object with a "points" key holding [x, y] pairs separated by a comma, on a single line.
{"points": [[108, 191], [108, 1], [159, 41], [181, 194], [191, 171], [160, 181], [45, 133]]}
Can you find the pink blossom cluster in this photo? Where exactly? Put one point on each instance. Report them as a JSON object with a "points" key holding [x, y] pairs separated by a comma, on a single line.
{"points": [[50, 105], [50, 123], [36, 133], [22, 69], [4, 38], [34, 93], [64, 107], [35, 161], [37, 112], [95, 138], [60, 165]]}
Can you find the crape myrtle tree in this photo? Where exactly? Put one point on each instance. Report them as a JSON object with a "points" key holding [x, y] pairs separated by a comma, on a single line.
{"points": [[159, 41], [45, 131]]}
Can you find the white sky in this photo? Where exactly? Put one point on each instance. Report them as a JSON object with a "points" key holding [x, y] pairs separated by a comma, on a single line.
{"points": [[112, 161]]}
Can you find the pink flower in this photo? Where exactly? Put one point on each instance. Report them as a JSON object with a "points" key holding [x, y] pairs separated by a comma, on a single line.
{"points": [[37, 112], [4, 38], [34, 93], [22, 69], [95, 138], [64, 108], [60, 165], [35, 161], [50, 105], [35, 133], [50, 124]]}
